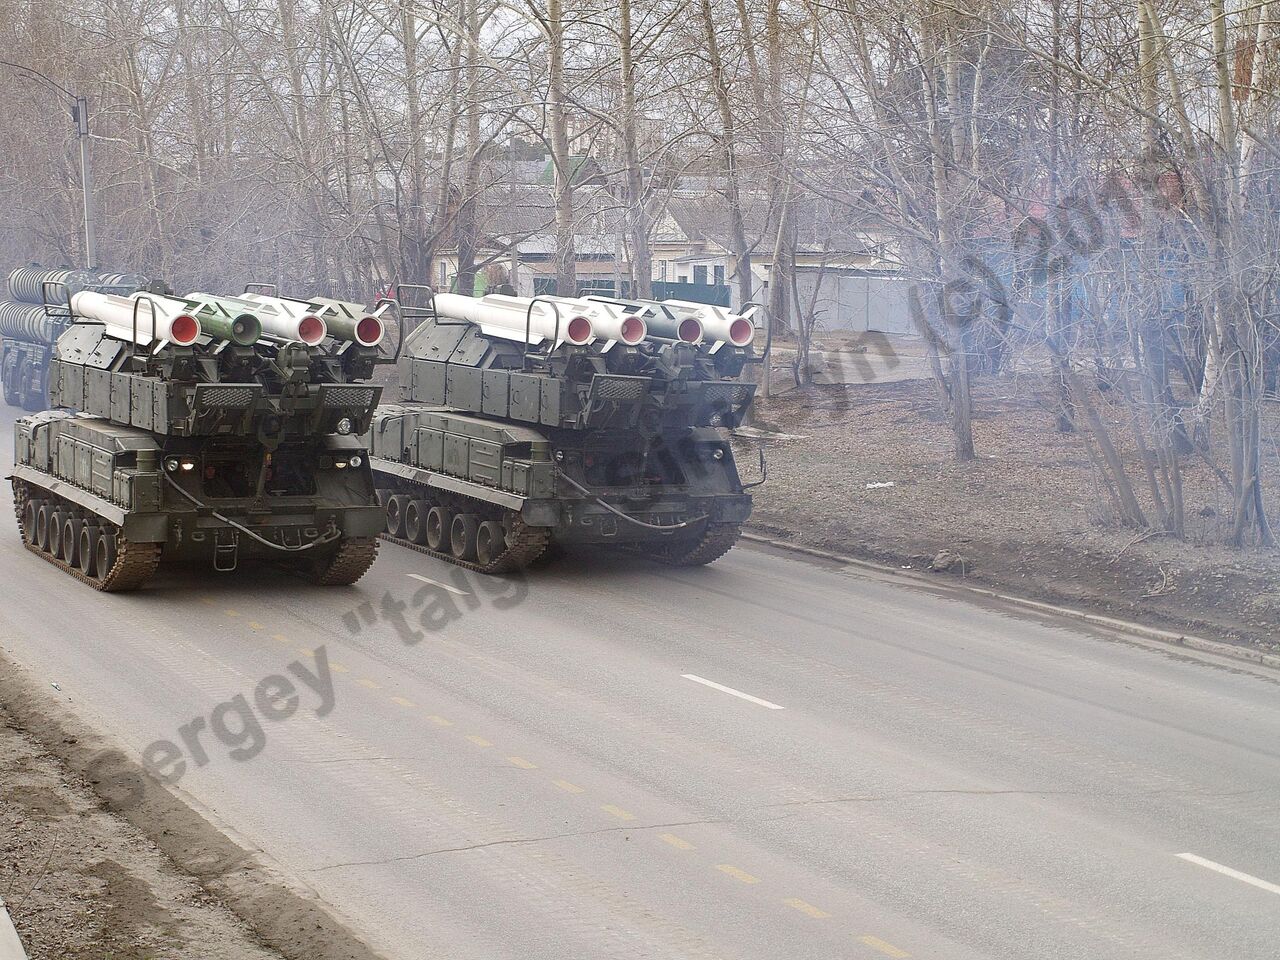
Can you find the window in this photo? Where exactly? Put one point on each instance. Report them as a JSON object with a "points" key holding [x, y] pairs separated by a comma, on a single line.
{"points": [[663, 267], [444, 275], [700, 274], [683, 278], [718, 273]]}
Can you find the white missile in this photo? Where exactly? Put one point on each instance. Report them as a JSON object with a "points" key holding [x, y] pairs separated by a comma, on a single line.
{"points": [[171, 321], [511, 314], [718, 324], [610, 321]]}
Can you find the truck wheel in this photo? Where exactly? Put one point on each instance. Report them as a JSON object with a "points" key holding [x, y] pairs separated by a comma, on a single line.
{"points": [[42, 526], [396, 506], [56, 517], [491, 542], [439, 523], [88, 549], [71, 540], [104, 555], [38, 399], [30, 513], [415, 520], [12, 396], [462, 536]]}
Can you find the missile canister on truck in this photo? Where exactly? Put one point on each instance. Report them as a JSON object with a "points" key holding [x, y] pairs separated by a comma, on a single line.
{"points": [[196, 445], [527, 420], [28, 331]]}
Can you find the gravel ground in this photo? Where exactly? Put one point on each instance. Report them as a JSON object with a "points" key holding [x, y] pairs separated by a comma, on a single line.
{"points": [[1028, 516]]}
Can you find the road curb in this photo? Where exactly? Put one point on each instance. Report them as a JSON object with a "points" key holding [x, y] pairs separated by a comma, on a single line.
{"points": [[10, 945], [1184, 641]]}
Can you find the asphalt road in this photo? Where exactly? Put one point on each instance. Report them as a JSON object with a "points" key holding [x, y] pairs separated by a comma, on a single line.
{"points": [[542, 777]]}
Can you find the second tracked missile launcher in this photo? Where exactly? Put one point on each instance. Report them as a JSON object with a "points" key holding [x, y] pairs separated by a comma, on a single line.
{"points": [[28, 331], [179, 434], [583, 420]]}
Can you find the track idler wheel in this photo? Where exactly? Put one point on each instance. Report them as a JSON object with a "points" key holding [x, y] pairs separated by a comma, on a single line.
{"points": [[397, 505], [491, 542], [415, 521], [439, 523], [462, 536]]}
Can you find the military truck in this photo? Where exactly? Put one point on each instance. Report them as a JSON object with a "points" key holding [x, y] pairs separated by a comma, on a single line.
{"points": [[28, 332], [182, 431], [584, 420]]}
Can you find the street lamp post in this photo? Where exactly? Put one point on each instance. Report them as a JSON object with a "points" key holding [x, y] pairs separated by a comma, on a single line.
{"points": [[80, 115]]}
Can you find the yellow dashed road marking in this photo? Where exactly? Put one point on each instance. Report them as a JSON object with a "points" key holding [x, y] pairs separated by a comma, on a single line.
{"points": [[305, 651], [618, 812], [254, 625], [401, 701], [231, 613], [208, 601], [339, 668], [440, 721], [522, 763], [888, 949], [568, 787], [366, 682], [807, 908], [479, 741], [736, 873], [280, 638], [675, 841]]}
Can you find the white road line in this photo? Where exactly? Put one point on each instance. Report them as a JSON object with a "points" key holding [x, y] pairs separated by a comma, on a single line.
{"points": [[437, 583], [1228, 872], [732, 692]]}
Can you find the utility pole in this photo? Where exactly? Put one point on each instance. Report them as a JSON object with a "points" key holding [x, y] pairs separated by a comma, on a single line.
{"points": [[80, 116], [80, 113]]}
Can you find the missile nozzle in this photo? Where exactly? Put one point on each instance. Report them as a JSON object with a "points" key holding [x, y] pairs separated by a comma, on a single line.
{"points": [[311, 330], [184, 330], [369, 331]]}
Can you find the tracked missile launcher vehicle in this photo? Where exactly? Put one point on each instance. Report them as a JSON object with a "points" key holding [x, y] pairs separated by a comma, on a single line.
{"points": [[183, 431], [584, 421], [28, 332]]}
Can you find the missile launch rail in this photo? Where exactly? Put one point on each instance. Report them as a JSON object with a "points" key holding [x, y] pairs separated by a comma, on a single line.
{"points": [[209, 449], [508, 438]]}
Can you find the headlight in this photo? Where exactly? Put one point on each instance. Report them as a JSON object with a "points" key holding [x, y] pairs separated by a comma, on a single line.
{"points": [[172, 464], [717, 453], [188, 464], [357, 460], [559, 456], [344, 426]]}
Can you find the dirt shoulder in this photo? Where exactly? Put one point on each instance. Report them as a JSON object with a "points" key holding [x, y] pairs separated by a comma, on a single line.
{"points": [[1028, 517], [99, 861], [81, 882]]}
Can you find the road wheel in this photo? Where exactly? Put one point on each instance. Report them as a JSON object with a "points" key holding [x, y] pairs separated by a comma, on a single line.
{"points": [[56, 517], [104, 555], [42, 526], [71, 539], [439, 522], [396, 506], [87, 550], [462, 536], [491, 542], [30, 512], [415, 520]]}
